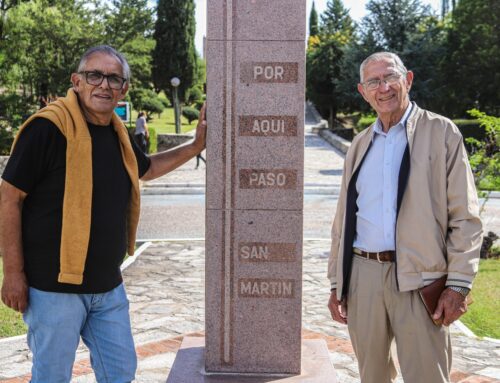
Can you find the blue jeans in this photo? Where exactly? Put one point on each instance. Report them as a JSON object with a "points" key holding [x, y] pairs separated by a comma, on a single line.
{"points": [[57, 320]]}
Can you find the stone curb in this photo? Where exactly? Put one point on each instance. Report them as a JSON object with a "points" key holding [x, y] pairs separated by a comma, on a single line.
{"points": [[337, 142]]}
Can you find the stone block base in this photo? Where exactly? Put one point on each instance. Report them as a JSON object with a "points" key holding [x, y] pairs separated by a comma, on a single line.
{"points": [[189, 366]]}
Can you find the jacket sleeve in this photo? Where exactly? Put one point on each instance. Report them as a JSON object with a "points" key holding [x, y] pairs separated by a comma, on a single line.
{"points": [[338, 223], [464, 237]]}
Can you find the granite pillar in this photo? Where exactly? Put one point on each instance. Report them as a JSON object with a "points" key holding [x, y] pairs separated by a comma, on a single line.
{"points": [[255, 160]]}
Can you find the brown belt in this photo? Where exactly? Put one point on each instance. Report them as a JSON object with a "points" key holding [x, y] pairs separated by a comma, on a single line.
{"points": [[381, 256]]}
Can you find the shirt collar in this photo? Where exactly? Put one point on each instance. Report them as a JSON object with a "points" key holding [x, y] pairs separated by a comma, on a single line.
{"points": [[377, 127]]}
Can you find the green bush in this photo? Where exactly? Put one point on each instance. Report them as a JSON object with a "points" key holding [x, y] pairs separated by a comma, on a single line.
{"points": [[365, 121], [194, 95], [470, 128], [191, 114], [485, 154], [153, 141], [152, 105]]}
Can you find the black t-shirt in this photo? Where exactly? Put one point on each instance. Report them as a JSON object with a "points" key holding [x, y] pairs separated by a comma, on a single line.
{"points": [[38, 167]]}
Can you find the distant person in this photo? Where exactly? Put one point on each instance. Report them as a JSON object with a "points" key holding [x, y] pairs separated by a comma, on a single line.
{"points": [[198, 158], [141, 133], [407, 215], [69, 210]]}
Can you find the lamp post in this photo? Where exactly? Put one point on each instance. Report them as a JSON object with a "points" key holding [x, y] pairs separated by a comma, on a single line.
{"points": [[175, 82]]}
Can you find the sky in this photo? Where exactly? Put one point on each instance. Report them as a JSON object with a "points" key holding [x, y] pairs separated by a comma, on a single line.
{"points": [[356, 7]]}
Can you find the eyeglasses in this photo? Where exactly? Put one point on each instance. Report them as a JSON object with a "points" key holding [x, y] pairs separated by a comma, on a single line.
{"points": [[96, 78], [375, 83]]}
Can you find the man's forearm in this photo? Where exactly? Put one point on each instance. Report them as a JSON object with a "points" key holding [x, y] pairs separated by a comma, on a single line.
{"points": [[10, 231], [165, 162]]}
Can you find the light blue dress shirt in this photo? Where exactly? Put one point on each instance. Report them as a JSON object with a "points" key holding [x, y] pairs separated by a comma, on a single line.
{"points": [[377, 187]]}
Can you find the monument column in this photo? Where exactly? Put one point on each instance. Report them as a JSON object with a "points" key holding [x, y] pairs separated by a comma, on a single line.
{"points": [[255, 162]]}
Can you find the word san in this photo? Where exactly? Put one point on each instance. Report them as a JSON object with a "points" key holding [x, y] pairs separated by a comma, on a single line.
{"points": [[254, 252]]}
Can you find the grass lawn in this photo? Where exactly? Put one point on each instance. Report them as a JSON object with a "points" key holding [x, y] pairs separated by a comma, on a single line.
{"points": [[166, 122], [11, 322], [482, 316]]}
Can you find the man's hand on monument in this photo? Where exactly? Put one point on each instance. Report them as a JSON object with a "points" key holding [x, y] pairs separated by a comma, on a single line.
{"points": [[15, 291], [201, 130], [451, 306], [338, 310]]}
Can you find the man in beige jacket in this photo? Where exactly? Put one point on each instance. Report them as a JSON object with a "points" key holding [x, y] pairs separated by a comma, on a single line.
{"points": [[407, 215]]}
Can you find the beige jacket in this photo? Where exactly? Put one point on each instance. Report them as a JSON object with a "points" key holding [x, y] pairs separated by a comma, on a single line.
{"points": [[438, 230]]}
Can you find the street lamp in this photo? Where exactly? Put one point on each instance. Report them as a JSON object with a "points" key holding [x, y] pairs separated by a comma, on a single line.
{"points": [[175, 82]]}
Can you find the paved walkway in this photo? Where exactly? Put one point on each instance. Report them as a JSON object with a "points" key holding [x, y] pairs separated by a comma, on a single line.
{"points": [[165, 285]]}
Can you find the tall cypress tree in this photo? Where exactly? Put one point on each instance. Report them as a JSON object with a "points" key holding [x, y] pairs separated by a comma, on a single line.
{"points": [[174, 54], [313, 22]]}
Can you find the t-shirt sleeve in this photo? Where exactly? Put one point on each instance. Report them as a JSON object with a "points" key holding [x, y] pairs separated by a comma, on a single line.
{"points": [[143, 160], [33, 154]]}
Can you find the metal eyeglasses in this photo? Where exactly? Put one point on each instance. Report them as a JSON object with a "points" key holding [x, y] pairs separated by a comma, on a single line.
{"points": [[375, 83]]}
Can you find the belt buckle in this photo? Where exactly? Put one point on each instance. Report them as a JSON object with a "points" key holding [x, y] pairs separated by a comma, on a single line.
{"points": [[378, 257]]}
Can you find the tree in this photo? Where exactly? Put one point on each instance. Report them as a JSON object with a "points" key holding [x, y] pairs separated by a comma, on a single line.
{"points": [[393, 22], [324, 58], [129, 29], [42, 43], [411, 30], [472, 58], [313, 21], [174, 54], [5, 5]]}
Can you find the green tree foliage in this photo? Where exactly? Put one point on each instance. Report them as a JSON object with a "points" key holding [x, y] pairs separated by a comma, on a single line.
{"points": [[190, 113], [141, 96], [485, 156], [393, 22], [129, 29], [325, 56], [313, 21], [42, 45], [174, 54], [471, 62], [409, 29], [5, 5]]}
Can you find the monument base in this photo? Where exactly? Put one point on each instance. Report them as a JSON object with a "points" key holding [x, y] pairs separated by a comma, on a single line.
{"points": [[189, 366]]}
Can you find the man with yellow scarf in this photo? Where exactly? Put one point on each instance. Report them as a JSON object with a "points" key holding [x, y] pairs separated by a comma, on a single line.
{"points": [[69, 209]]}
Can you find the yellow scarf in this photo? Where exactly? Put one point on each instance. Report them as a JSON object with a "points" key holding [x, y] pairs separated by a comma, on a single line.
{"points": [[66, 114]]}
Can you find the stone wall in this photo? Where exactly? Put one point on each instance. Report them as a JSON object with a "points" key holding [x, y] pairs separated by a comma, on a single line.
{"points": [[168, 141]]}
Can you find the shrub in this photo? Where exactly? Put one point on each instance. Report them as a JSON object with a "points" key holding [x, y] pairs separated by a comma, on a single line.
{"points": [[485, 154], [191, 114], [365, 121], [153, 141], [194, 95], [152, 105]]}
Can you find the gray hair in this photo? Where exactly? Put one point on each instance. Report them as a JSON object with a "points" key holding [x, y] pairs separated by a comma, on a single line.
{"points": [[105, 49], [379, 56]]}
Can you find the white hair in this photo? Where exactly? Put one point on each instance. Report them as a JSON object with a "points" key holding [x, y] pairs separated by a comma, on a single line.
{"points": [[379, 56], [105, 49]]}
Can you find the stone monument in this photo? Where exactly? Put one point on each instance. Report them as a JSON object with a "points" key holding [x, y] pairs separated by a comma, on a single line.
{"points": [[255, 160]]}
